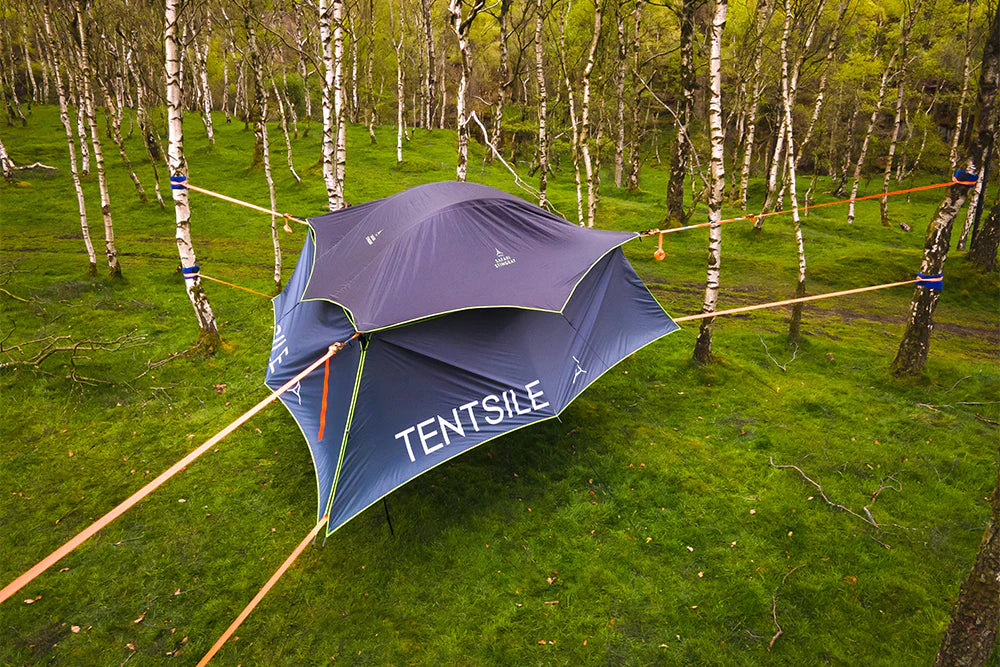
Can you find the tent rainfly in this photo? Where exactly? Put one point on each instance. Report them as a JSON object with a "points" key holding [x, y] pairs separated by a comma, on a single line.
{"points": [[477, 313]]}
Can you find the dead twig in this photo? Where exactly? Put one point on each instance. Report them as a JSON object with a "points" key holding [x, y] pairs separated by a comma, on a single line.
{"points": [[897, 487], [13, 296], [774, 606], [987, 421], [869, 520], [153, 365], [783, 367]]}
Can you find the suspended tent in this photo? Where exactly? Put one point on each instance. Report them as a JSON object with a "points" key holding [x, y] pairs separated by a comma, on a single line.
{"points": [[476, 314]]}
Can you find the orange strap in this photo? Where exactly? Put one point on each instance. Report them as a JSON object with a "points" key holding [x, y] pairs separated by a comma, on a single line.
{"points": [[751, 216], [223, 282], [16, 585], [240, 202], [803, 299], [322, 409], [263, 591]]}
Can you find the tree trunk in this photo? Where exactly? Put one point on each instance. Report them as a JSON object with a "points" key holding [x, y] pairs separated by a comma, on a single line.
{"points": [[688, 81], [703, 346], [496, 137], [284, 129], [461, 28], [115, 113], [831, 49], [340, 152], [904, 42], [860, 164], [972, 633], [201, 52], [977, 194], [208, 332], [620, 96], [635, 143], [64, 117], [400, 80], [114, 268], [585, 118], [326, 45], [225, 85], [786, 99], [983, 250], [912, 354], [574, 124], [966, 71], [543, 140], [354, 72], [73, 84], [430, 81]]}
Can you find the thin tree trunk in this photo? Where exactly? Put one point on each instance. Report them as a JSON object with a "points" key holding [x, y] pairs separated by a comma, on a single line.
{"points": [[400, 78], [64, 118], [831, 49], [912, 354], [682, 148], [763, 15], [29, 72], [904, 42], [430, 80], [326, 45], [73, 81], [369, 83], [620, 96], [225, 85], [983, 249], [354, 72], [860, 164], [496, 136], [786, 99], [585, 118], [574, 123], [114, 268], [703, 346], [340, 152], [543, 140], [461, 28], [201, 52], [966, 71], [284, 130], [208, 332], [44, 60], [635, 149], [115, 113]]}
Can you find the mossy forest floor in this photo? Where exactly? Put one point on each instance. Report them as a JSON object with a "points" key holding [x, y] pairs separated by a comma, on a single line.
{"points": [[647, 527]]}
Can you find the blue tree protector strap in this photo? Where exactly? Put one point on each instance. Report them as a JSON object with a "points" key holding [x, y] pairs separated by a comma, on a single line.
{"points": [[177, 182], [935, 283], [190, 272], [964, 177]]}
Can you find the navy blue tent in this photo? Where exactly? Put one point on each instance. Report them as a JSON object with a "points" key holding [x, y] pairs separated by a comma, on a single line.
{"points": [[479, 314]]}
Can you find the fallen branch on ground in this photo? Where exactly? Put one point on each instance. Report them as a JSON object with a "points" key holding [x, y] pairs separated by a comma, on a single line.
{"points": [[869, 519], [783, 367], [774, 606], [51, 345]]}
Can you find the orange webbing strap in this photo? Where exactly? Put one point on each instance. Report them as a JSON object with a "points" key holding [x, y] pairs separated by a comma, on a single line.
{"points": [[322, 408], [751, 216], [803, 299], [263, 591], [240, 202], [223, 282], [16, 585]]}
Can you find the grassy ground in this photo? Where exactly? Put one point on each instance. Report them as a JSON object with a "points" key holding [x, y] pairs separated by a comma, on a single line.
{"points": [[649, 526]]}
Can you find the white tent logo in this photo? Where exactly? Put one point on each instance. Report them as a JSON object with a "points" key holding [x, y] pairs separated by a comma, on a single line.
{"points": [[503, 259], [579, 370], [371, 237]]}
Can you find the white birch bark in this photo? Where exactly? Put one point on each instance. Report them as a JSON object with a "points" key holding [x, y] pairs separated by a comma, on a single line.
{"points": [[201, 52], [208, 332], [354, 72], [461, 27], [574, 123], [831, 49], [585, 117], [703, 346], [70, 141], [635, 142], [786, 99], [966, 71], [284, 130], [326, 46], [225, 86], [73, 81], [904, 41], [115, 113], [44, 59], [35, 96], [430, 80], [543, 139], [340, 149], [859, 165], [506, 81], [764, 11], [114, 267], [7, 166], [397, 44]]}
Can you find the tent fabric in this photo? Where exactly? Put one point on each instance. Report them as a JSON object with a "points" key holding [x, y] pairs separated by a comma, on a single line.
{"points": [[404, 399], [442, 247]]}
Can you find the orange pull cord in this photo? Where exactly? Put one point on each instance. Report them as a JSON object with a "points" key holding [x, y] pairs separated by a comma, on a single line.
{"points": [[326, 391], [659, 254]]}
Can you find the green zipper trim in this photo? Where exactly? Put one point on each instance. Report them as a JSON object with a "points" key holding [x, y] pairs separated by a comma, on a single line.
{"points": [[347, 429]]}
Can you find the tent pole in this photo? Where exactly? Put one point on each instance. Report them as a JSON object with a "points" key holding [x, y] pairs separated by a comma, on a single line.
{"points": [[388, 519]]}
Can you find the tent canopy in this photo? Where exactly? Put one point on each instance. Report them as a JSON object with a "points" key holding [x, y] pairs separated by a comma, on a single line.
{"points": [[509, 314]]}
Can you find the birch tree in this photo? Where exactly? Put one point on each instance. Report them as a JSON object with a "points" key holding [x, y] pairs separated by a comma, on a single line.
{"points": [[208, 332], [543, 100], [70, 141], [703, 345], [859, 165], [904, 43], [620, 76], [588, 165], [397, 44], [912, 354], [461, 27], [966, 72], [430, 80], [340, 148], [574, 123], [506, 81], [329, 149], [114, 268], [688, 82]]}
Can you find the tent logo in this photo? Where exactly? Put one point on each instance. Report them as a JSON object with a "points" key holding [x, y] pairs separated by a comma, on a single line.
{"points": [[371, 237], [503, 259], [579, 370]]}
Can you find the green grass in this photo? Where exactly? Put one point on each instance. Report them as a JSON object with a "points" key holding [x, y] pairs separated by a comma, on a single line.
{"points": [[651, 512]]}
